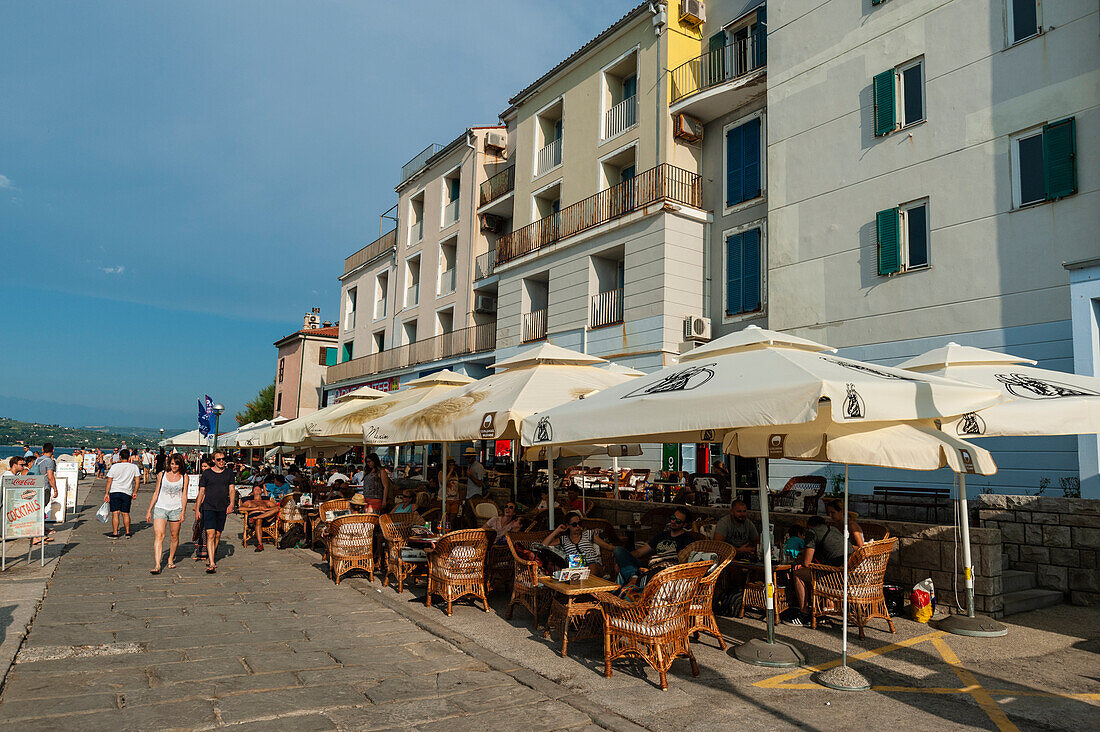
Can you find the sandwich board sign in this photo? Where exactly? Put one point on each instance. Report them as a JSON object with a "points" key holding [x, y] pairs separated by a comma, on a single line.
{"points": [[24, 512], [70, 474]]}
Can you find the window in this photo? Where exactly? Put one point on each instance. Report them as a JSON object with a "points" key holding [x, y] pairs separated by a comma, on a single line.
{"points": [[350, 307], [903, 234], [278, 401], [1023, 20], [348, 351], [380, 341], [381, 290], [1044, 163], [743, 162], [898, 97], [744, 293], [326, 356], [282, 364]]}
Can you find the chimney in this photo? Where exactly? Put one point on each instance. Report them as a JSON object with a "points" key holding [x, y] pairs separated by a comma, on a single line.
{"points": [[326, 324]]}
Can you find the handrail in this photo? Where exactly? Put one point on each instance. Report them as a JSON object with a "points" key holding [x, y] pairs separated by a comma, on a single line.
{"points": [[607, 308], [663, 182], [534, 325], [727, 63], [549, 156], [485, 264], [621, 117], [419, 161], [370, 251], [498, 185], [474, 339]]}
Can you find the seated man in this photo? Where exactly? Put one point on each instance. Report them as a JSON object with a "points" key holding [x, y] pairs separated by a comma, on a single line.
{"points": [[736, 529], [824, 545], [573, 501], [663, 547], [260, 512], [277, 487]]}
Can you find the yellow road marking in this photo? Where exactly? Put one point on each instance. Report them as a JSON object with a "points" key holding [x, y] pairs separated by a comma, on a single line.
{"points": [[980, 694]]}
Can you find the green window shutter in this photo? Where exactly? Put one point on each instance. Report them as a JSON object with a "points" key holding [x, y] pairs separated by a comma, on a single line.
{"points": [[877, 2], [1060, 158], [750, 271], [885, 106], [889, 254], [761, 45], [330, 357], [733, 274]]}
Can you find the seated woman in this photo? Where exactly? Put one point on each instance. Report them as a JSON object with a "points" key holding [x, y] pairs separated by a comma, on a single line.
{"points": [[260, 511], [405, 503], [574, 539], [835, 509], [504, 523]]}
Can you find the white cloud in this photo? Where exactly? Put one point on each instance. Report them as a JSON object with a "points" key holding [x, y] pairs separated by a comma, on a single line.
{"points": [[113, 270], [6, 184]]}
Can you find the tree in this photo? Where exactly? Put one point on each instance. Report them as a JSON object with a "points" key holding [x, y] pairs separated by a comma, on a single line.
{"points": [[260, 408]]}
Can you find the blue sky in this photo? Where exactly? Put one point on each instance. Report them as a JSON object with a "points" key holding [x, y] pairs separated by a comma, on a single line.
{"points": [[180, 181]]}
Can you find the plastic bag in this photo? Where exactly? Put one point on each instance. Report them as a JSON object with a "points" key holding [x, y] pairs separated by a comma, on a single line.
{"points": [[922, 601], [104, 512]]}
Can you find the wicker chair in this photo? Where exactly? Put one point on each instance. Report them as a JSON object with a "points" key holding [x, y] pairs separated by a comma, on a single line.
{"points": [[874, 532], [484, 509], [702, 606], [656, 627], [456, 567], [406, 519], [396, 533], [288, 517], [866, 570], [321, 527], [269, 531], [351, 545], [525, 580]]}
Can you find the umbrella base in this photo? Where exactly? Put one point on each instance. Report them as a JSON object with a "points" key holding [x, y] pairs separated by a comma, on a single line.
{"points": [[759, 652], [843, 678], [978, 626]]}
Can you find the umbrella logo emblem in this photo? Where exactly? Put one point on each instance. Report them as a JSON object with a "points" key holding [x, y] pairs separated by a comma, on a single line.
{"points": [[853, 404], [488, 431], [684, 379], [967, 461], [543, 431], [864, 368], [1029, 387], [708, 436], [776, 446], [970, 424]]}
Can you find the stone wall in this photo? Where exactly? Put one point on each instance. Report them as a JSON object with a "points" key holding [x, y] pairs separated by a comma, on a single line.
{"points": [[1057, 538], [924, 551]]}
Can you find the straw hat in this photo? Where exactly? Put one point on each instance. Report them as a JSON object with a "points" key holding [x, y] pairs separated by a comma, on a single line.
{"points": [[470, 451], [358, 500]]}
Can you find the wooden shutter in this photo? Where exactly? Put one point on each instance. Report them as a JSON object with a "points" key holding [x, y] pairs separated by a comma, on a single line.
{"points": [[1060, 158], [712, 71], [750, 159], [734, 165], [885, 106], [750, 271], [760, 45], [733, 274], [889, 254]]}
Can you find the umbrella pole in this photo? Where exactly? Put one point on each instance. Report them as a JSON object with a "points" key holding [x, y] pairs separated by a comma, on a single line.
{"points": [[768, 652], [443, 485], [615, 470], [550, 486], [841, 677], [970, 624], [396, 459], [515, 469]]}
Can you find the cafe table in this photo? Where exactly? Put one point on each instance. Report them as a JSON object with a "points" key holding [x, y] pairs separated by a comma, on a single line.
{"points": [[754, 595], [573, 604]]}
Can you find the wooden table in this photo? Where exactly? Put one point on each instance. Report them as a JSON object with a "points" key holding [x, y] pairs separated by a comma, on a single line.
{"points": [[755, 591], [570, 606]]}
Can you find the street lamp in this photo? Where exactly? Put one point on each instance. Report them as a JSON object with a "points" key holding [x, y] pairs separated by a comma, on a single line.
{"points": [[161, 436], [218, 409]]}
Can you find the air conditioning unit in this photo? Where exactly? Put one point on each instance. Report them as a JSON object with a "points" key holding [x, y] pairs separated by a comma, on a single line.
{"points": [[485, 304], [492, 223], [496, 140], [688, 128], [696, 328], [693, 13]]}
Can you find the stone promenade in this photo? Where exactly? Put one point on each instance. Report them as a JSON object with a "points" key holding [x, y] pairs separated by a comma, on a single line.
{"points": [[269, 642]]}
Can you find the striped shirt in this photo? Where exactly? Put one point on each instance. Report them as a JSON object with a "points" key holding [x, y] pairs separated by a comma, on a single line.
{"points": [[586, 547]]}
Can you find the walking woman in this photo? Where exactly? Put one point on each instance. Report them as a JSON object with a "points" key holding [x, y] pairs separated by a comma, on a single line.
{"points": [[376, 484], [166, 510]]}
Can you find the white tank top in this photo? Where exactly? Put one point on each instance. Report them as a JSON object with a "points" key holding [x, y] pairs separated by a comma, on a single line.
{"points": [[171, 494]]}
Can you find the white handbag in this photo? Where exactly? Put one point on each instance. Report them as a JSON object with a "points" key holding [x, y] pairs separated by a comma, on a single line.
{"points": [[104, 512]]}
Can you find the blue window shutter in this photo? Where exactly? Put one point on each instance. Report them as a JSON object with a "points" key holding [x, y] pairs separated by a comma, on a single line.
{"points": [[1060, 158], [330, 357], [761, 43], [734, 165], [888, 234], [751, 159], [750, 271], [733, 274], [885, 111]]}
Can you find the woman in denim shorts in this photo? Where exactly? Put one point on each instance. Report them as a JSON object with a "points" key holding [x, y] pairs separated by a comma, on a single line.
{"points": [[166, 509]]}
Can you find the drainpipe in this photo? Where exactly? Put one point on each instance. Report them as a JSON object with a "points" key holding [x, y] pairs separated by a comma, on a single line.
{"points": [[473, 228], [660, 20]]}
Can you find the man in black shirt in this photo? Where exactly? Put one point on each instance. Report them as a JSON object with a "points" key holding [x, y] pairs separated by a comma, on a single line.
{"points": [[161, 462], [217, 499], [666, 544]]}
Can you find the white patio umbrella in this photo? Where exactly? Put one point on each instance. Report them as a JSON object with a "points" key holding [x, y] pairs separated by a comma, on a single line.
{"points": [[191, 438], [252, 435], [1034, 402], [292, 431], [363, 392], [492, 408]]}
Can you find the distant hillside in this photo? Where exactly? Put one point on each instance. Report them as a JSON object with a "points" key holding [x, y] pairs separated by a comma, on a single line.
{"points": [[13, 432]]}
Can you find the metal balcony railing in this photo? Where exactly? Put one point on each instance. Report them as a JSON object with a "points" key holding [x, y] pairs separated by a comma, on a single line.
{"points": [[381, 245], [416, 231], [485, 264], [450, 213], [607, 308], [534, 325], [664, 182], [448, 345], [412, 295], [414, 165], [621, 117], [497, 186], [549, 156], [379, 309], [719, 66], [447, 281]]}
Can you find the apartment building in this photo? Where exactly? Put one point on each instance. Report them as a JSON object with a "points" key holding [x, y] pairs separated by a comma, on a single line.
{"points": [[932, 177], [407, 298], [301, 364]]}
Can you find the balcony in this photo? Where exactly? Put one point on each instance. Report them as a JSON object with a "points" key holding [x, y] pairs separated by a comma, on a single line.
{"points": [[621, 117], [383, 244], [549, 156], [499, 185], [450, 213], [662, 183], [379, 309], [720, 80], [476, 339], [412, 295], [415, 165], [485, 264], [416, 232], [607, 308], [447, 281], [534, 325]]}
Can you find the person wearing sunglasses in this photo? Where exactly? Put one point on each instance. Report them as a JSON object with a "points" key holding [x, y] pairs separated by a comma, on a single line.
{"points": [[659, 551], [505, 523], [573, 538], [217, 499]]}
